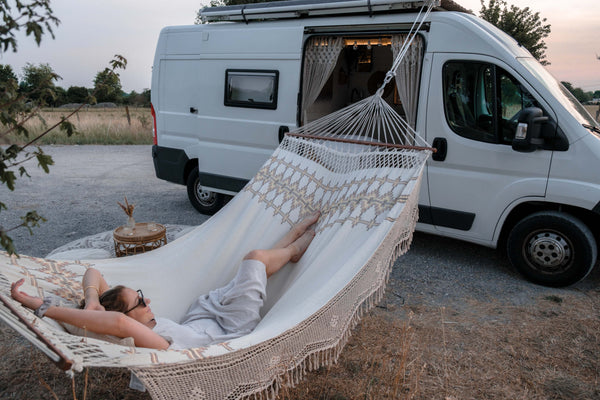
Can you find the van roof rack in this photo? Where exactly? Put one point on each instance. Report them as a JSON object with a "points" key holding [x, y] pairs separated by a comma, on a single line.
{"points": [[315, 8]]}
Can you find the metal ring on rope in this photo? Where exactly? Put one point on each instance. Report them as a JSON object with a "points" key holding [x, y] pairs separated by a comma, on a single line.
{"points": [[388, 77]]}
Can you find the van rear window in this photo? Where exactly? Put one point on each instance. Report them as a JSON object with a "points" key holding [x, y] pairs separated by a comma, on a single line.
{"points": [[251, 88]]}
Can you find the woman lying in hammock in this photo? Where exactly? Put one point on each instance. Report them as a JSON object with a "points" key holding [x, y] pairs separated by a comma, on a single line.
{"points": [[223, 314]]}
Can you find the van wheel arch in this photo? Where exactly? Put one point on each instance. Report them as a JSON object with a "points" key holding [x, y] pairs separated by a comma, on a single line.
{"points": [[591, 219], [189, 167]]}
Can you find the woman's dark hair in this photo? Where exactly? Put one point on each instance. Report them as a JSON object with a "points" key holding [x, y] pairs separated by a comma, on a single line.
{"points": [[112, 300]]}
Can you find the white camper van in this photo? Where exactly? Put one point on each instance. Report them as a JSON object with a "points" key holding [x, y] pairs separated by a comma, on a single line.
{"points": [[518, 157]]}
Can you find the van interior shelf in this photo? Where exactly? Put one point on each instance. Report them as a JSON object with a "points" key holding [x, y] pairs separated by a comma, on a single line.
{"points": [[316, 8]]}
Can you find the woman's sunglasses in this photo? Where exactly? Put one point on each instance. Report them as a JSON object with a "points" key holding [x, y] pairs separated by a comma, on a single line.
{"points": [[141, 302]]}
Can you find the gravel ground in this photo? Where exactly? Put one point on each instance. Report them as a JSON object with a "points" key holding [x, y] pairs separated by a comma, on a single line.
{"points": [[79, 198]]}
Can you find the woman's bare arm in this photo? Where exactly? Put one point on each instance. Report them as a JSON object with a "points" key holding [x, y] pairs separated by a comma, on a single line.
{"points": [[102, 322], [94, 285], [109, 323]]}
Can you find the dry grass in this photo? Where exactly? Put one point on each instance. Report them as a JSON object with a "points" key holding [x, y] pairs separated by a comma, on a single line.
{"points": [[496, 352], [549, 350], [94, 126], [486, 351], [377, 363], [108, 126]]}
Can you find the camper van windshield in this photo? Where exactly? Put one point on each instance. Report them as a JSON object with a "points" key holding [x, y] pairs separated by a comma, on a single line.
{"points": [[559, 91]]}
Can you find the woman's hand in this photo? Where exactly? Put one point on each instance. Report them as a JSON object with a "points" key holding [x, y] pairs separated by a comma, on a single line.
{"points": [[93, 305], [28, 301]]}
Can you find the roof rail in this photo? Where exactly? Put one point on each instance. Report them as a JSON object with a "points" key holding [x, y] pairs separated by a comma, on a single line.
{"points": [[312, 8]]}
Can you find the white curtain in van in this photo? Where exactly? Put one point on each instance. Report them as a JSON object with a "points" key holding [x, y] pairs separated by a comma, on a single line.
{"points": [[319, 61], [408, 76]]}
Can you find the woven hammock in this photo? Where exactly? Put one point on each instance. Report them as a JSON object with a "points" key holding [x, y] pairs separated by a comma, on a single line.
{"points": [[361, 167]]}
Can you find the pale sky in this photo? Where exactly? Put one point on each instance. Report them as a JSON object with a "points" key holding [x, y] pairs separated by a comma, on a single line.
{"points": [[93, 31]]}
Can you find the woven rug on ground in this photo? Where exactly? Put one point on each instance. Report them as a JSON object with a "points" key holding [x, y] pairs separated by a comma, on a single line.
{"points": [[102, 245]]}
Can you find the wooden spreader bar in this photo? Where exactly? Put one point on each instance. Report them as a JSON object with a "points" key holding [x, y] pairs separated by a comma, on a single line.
{"points": [[354, 141]]}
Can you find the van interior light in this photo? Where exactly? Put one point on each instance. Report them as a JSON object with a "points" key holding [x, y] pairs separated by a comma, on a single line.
{"points": [[321, 43], [369, 42]]}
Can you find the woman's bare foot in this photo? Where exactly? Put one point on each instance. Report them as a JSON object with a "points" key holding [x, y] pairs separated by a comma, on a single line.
{"points": [[308, 221], [297, 231], [301, 244]]}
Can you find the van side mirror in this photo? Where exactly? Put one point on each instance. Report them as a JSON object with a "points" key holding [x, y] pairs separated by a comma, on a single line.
{"points": [[528, 134]]}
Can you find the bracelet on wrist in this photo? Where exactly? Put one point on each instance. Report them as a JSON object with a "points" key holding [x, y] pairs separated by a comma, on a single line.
{"points": [[46, 304], [91, 287]]}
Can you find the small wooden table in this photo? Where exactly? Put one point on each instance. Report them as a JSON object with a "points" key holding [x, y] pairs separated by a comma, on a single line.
{"points": [[145, 236]]}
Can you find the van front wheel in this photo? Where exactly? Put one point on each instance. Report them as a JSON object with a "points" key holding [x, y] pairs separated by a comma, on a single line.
{"points": [[205, 201], [552, 248]]}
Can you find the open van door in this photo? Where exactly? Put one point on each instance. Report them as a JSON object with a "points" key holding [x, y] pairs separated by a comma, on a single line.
{"points": [[473, 110]]}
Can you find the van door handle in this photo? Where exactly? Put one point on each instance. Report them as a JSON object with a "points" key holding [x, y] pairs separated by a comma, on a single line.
{"points": [[441, 144], [193, 110]]}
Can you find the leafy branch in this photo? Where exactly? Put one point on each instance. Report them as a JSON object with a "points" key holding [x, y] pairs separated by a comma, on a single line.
{"points": [[15, 110], [32, 16]]}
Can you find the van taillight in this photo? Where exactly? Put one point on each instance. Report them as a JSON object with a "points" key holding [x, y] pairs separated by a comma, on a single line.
{"points": [[155, 133]]}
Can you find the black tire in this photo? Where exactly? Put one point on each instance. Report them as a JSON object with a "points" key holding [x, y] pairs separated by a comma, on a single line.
{"points": [[205, 201], [552, 248]]}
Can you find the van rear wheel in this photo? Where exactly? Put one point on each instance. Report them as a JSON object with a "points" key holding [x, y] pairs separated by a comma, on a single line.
{"points": [[205, 201], [552, 248]]}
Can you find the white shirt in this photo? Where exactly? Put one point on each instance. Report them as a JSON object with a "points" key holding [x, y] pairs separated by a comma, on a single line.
{"points": [[223, 314]]}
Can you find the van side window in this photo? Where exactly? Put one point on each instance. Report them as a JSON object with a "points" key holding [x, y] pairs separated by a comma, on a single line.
{"points": [[251, 88], [482, 101], [513, 98]]}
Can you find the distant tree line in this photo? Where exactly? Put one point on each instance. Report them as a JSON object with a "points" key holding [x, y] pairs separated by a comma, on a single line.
{"points": [[581, 95], [37, 83]]}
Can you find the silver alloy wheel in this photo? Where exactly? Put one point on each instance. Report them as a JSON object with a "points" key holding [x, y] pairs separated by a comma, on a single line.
{"points": [[549, 252], [205, 197], [205, 201], [552, 248]]}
